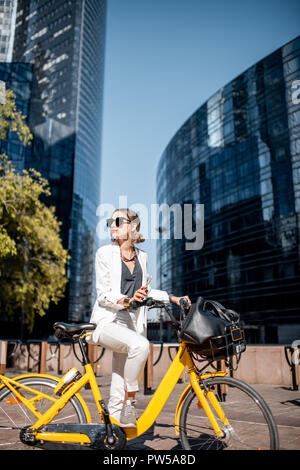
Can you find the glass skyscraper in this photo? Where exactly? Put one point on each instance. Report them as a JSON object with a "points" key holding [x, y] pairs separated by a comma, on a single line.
{"points": [[17, 77], [64, 41], [7, 22], [239, 155]]}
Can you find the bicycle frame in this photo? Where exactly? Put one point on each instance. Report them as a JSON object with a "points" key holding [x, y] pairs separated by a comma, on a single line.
{"points": [[165, 388], [157, 402]]}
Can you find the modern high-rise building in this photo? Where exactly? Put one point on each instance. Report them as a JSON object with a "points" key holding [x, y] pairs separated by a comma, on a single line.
{"points": [[64, 41], [7, 22], [239, 155], [17, 77]]}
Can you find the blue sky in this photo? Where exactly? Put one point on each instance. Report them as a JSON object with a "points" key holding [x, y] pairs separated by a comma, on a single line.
{"points": [[164, 59]]}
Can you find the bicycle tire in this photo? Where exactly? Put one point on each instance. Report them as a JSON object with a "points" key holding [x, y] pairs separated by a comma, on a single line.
{"points": [[15, 416], [253, 425]]}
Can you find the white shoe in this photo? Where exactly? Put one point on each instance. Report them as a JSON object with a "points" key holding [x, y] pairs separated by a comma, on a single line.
{"points": [[128, 415]]}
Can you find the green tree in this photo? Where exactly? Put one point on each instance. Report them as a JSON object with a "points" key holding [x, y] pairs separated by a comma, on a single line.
{"points": [[32, 258], [13, 120]]}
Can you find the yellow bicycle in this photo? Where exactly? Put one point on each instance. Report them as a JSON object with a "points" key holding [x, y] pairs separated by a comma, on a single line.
{"points": [[215, 411]]}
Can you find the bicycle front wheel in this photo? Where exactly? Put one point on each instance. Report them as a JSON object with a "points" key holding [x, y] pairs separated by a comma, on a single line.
{"points": [[251, 424], [14, 415]]}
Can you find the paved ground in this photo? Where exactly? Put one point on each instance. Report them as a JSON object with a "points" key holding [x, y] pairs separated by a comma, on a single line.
{"points": [[284, 403]]}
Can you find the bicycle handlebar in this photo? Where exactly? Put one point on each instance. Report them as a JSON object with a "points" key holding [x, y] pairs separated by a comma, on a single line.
{"points": [[183, 302], [152, 303], [148, 302]]}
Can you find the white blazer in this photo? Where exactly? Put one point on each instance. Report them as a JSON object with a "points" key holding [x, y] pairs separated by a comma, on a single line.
{"points": [[108, 284]]}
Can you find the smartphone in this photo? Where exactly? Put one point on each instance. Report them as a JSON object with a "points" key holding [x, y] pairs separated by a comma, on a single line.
{"points": [[149, 278]]}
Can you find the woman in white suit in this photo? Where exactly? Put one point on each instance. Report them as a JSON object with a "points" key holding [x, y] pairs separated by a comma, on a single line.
{"points": [[121, 277]]}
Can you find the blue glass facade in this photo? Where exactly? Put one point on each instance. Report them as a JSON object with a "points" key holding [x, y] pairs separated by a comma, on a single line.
{"points": [[7, 21], [65, 43], [239, 155], [17, 77]]}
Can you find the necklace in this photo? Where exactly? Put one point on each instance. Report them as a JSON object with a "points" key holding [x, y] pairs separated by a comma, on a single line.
{"points": [[126, 259]]}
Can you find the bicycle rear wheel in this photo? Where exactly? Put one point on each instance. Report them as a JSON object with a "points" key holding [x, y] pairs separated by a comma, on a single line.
{"points": [[14, 415], [252, 425]]}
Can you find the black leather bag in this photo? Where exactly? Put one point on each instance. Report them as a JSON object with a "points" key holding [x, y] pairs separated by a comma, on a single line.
{"points": [[213, 329]]}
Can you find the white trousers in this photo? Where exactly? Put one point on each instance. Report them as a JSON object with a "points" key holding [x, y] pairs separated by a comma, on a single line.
{"points": [[130, 351]]}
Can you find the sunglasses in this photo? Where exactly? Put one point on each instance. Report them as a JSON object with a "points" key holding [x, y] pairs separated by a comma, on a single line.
{"points": [[118, 221]]}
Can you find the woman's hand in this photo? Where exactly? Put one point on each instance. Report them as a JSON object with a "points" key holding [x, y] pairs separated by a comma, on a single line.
{"points": [[140, 294], [176, 300]]}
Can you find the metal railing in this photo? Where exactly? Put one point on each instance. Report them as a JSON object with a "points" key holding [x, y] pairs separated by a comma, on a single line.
{"points": [[35, 355], [38, 353], [292, 354]]}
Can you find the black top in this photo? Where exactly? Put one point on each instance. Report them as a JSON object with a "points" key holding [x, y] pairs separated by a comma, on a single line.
{"points": [[130, 283]]}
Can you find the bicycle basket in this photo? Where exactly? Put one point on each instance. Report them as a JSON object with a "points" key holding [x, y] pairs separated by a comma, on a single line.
{"points": [[212, 330], [221, 347]]}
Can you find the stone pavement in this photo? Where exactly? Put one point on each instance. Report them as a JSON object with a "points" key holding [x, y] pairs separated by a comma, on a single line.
{"points": [[283, 402]]}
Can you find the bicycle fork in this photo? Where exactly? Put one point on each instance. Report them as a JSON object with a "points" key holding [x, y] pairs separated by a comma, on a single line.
{"points": [[205, 396]]}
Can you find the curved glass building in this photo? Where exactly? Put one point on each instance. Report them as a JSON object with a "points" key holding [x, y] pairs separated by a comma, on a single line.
{"points": [[239, 155]]}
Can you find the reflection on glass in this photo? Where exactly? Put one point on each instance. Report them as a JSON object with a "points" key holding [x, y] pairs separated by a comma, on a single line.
{"points": [[65, 44], [246, 153]]}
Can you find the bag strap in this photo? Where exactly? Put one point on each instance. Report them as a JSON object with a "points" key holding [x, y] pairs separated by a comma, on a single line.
{"points": [[174, 322], [221, 311], [233, 313], [194, 307], [217, 308]]}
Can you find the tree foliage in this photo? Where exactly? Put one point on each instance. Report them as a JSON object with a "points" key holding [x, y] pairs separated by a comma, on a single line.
{"points": [[32, 258], [13, 120]]}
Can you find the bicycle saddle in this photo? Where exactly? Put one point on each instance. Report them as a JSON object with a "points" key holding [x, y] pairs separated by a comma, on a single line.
{"points": [[71, 329]]}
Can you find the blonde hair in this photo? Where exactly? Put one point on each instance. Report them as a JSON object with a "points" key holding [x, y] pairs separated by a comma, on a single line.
{"points": [[133, 217]]}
